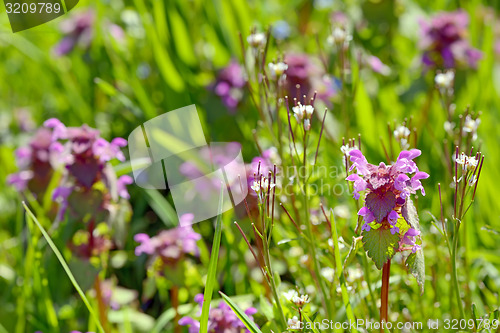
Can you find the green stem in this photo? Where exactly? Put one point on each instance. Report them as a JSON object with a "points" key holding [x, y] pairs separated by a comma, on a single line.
{"points": [[454, 271], [312, 246], [339, 272], [267, 260]]}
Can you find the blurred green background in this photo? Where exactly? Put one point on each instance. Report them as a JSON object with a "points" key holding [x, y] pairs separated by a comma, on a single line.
{"points": [[149, 57]]}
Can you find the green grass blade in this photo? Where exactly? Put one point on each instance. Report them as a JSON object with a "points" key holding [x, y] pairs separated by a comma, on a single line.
{"points": [[66, 268], [340, 273], [249, 324], [307, 319], [162, 208], [212, 270]]}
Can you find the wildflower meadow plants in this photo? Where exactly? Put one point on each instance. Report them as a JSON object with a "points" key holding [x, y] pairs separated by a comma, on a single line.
{"points": [[369, 135]]}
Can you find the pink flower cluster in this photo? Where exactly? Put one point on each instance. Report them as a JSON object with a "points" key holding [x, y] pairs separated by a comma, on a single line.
{"points": [[80, 154], [170, 245], [387, 189], [444, 41], [220, 319]]}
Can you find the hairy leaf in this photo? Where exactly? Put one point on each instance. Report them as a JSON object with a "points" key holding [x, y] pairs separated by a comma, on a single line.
{"points": [[380, 245], [409, 212], [380, 204], [416, 264]]}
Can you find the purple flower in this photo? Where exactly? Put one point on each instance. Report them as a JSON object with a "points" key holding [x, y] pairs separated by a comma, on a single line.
{"points": [[387, 187], [20, 180], [60, 195], [121, 186], [229, 85], [82, 156], [170, 245], [368, 217], [378, 66], [78, 30], [35, 164], [409, 239], [221, 319], [107, 151], [300, 71], [359, 184], [444, 41], [261, 166]]}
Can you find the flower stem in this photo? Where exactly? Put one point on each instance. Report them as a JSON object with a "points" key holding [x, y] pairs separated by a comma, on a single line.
{"points": [[174, 293], [454, 271], [384, 294], [103, 316]]}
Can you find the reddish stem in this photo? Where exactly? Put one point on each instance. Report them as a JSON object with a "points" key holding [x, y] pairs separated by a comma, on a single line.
{"points": [[103, 316], [384, 294], [174, 294]]}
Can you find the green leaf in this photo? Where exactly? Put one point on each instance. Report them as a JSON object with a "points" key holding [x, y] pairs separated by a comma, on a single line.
{"points": [[416, 264], [356, 245], [212, 269], [162, 208], [364, 112], [249, 324], [415, 261], [409, 212], [311, 324], [474, 315], [66, 268], [380, 245]]}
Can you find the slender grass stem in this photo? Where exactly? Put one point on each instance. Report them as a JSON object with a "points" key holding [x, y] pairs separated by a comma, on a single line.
{"points": [[312, 245], [454, 271]]}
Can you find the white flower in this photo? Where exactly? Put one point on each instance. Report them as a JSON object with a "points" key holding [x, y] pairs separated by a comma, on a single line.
{"points": [[345, 149], [294, 323], [257, 39], [339, 289], [401, 132], [328, 273], [302, 112], [307, 124], [262, 184], [309, 111], [341, 243], [472, 162], [289, 295], [472, 180], [471, 125], [404, 144], [445, 80], [449, 126], [354, 274], [338, 36], [467, 162], [277, 69], [300, 300], [342, 211]]}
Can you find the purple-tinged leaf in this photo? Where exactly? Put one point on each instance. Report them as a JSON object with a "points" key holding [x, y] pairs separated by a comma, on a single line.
{"points": [[380, 204]]}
